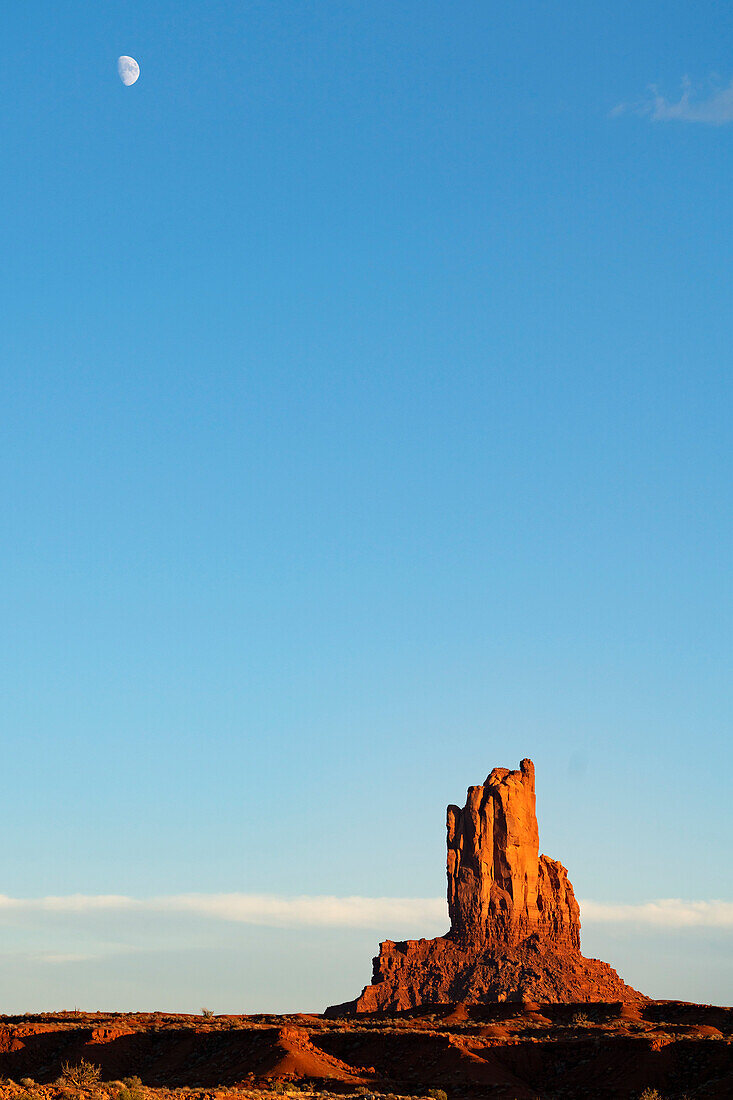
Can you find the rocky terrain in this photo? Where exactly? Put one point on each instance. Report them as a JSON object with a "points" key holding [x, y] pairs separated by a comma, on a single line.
{"points": [[515, 923], [509, 1050]]}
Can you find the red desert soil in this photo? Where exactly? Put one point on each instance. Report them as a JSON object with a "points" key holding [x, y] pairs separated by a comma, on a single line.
{"points": [[507, 1050]]}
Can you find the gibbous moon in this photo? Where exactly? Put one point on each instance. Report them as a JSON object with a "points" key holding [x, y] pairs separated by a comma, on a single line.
{"points": [[128, 69]]}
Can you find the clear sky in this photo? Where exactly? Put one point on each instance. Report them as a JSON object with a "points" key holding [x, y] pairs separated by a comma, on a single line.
{"points": [[365, 425]]}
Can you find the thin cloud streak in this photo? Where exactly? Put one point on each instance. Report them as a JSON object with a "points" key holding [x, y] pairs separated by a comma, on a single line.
{"points": [[53, 958], [262, 909], [428, 915], [664, 913], [715, 110]]}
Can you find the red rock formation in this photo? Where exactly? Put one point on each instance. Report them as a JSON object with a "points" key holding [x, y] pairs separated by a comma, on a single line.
{"points": [[515, 923], [499, 887]]}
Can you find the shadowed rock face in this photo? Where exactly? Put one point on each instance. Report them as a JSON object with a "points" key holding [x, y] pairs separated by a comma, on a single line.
{"points": [[515, 923], [500, 889]]}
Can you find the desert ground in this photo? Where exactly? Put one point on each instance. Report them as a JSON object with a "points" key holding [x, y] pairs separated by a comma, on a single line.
{"points": [[518, 1051]]}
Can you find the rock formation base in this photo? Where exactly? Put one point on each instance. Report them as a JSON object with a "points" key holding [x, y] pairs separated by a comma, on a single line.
{"points": [[417, 972]]}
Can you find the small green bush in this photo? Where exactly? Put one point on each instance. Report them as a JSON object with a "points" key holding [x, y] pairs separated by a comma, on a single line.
{"points": [[132, 1089]]}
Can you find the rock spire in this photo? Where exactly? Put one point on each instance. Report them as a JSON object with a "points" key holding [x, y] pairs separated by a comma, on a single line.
{"points": [[515, 923], [500, 889]]}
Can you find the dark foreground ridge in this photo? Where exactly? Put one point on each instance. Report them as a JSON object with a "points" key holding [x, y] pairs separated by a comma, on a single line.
{"points": [[515, 923], [510, 1051]]}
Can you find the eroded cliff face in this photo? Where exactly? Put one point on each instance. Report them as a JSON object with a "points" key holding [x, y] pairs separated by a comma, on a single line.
{"points": [[500, 889], [515, 923]]}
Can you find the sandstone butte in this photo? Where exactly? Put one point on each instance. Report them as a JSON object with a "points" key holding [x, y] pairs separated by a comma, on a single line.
{"points": [[515, 923]]}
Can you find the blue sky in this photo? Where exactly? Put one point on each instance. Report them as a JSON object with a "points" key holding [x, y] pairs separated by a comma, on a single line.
{"points": [[365, 425]]}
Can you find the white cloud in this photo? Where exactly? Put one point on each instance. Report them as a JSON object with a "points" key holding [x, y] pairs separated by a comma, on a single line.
{"points": [[263, 909], [70, 903], [664, 913], [349, 912], [59, 959], [427, 916], [714, 109]]}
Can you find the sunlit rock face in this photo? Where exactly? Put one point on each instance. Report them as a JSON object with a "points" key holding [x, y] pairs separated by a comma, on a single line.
{"points": [[515, 923], [500, 889]]}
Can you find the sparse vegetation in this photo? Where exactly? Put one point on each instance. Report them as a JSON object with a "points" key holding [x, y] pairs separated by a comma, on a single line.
{"points": [[207, 1013], [438, 1094], [84, 1075], [128, 1094], [131, 1089], [580, 1019], [651, 1094]]}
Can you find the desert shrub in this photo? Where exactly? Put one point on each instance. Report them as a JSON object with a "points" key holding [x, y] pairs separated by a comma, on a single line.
{"points": [[84, 1075], [438, 1094], [651, 1094], [131, 1089], [207, 1013], [580, 1019], [27, 1082], [277, 1086]]}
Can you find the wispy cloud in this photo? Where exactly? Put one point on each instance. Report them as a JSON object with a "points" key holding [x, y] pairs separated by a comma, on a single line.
{"points": [[665, 913], [262, 909], [426, 915], [712, 106], [55, 958]]}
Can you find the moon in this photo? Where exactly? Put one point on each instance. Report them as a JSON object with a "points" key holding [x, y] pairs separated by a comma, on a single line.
{"points": [[128, 69]]}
